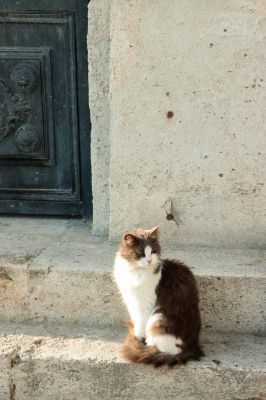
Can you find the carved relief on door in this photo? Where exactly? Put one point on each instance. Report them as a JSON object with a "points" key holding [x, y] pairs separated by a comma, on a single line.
{"points": [[26, 117]]}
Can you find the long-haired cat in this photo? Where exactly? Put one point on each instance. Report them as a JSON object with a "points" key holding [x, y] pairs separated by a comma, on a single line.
{"points": [[162, 299]]}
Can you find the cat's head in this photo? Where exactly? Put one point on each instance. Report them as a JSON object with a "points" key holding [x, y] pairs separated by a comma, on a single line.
{"points": [[142, 247]]}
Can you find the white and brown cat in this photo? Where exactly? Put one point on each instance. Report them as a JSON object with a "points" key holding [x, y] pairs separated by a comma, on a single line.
{"points": [[162, 299]]}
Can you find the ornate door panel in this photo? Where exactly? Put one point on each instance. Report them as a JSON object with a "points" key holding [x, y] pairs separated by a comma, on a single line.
{"points": [[44, 117]]}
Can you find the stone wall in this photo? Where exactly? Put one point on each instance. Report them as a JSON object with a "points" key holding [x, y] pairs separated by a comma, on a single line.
{"points": [[187, 128], [99, 56]]}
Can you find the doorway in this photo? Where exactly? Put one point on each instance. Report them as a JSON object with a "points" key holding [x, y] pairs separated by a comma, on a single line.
{"points": [[44, 112]]}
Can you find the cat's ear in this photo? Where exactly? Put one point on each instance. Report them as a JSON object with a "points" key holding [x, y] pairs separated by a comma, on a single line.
{"points": [[154, 232], [129, 239]]}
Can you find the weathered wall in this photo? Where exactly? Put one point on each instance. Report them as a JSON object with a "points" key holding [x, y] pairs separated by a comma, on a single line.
{"points": [[187, 132], [98, 55]]}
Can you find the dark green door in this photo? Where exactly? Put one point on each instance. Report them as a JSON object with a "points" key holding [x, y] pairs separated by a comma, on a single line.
{"points": [[44, 116]]}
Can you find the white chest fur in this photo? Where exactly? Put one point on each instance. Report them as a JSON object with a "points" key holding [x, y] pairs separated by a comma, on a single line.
{"points": [[137, 286]]}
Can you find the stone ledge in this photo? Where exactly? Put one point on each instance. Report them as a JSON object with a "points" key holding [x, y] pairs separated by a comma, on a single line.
{"points": [[51, 362], [54, 270]]}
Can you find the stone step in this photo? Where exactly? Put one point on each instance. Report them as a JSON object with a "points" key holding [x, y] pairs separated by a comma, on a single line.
{"points": [[54, 270], [73, 363]]}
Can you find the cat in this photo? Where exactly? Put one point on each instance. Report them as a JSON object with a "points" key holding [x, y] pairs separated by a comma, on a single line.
{"points": [[162, 299]]}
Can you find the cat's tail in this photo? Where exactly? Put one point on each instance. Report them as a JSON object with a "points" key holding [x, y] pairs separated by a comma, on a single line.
{"points": [[136, 351]]}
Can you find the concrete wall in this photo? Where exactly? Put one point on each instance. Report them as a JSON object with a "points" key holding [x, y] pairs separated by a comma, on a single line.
{"points": [[187, 127], [99, 56]]}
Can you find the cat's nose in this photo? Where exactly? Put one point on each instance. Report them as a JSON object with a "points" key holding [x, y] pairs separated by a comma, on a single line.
{"points": [[149, 261]]}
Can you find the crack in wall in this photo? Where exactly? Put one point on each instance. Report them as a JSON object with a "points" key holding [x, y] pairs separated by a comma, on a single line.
{"points": [[12, 359], [171, 213], [12, 389], [4, 274], [33, 257]]}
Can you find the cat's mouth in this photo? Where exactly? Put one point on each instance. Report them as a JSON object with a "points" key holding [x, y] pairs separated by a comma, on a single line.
{"points": [[147, 265], [152, 265]]}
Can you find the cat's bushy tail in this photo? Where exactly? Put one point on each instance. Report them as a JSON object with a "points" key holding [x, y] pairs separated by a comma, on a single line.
{"points": [[136, 351]]}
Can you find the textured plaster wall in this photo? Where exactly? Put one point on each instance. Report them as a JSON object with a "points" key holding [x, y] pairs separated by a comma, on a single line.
{"points": [[187, 119], [187, 107], [98, 55]]}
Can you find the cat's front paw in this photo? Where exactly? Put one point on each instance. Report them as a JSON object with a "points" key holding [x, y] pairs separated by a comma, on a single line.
{"points": [[139, 331], [140, 337], [142, 340]]}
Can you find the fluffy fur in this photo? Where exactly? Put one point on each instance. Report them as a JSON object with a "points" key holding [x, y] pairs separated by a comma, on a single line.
{"points": [[162, 300], [136, 351]]}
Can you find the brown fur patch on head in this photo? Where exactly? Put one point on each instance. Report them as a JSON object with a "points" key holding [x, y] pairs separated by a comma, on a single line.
{"points": [[133, 243]]}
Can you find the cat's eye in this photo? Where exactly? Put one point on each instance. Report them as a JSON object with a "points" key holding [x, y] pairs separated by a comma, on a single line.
{"points": [[153, 252]]}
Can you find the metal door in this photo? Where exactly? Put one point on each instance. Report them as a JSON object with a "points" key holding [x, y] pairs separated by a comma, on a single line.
{"points": [[44, 116]]}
